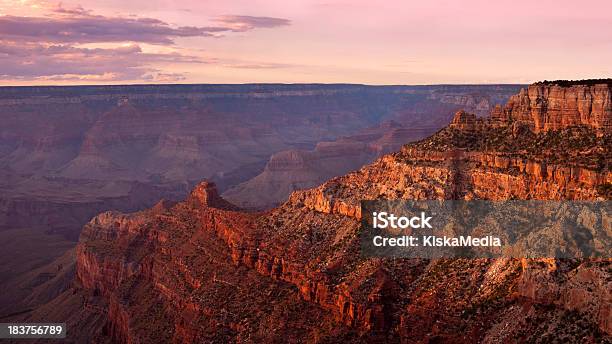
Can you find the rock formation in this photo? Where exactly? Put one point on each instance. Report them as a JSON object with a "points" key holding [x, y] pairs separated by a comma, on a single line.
{"points": [[205, 194], [549, 106], [464, 121], [199, 271]]}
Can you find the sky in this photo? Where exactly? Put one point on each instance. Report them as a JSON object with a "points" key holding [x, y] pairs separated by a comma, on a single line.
{"points": [[303, 41]]}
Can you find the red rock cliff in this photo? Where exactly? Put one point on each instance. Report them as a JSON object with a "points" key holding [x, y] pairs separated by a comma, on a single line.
{"points": [[551, 107]]}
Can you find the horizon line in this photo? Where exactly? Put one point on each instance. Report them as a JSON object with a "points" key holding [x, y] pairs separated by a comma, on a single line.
{"points": [[271, 83], [557, 81]]}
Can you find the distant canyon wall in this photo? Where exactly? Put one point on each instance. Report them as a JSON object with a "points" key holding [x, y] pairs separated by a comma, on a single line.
{"points": [[84, 148]]}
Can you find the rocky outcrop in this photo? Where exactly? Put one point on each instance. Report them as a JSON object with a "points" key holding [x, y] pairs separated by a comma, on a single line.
{"points": [[363, 297], [584, 288], [311, 244], [205, 194], [464, 121], [545, 107], [182, 255]]}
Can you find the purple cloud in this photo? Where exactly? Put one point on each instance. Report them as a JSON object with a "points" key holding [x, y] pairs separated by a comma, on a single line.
{"points": [[34, 48], [77, 25], [93, 29], [247, 23], [64, 62]]}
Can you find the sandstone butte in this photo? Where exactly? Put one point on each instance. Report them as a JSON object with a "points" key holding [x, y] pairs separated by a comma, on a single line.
{"points": [[202, 271]]}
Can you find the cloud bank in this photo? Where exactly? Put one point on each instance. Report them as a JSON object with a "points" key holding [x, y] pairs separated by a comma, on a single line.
{"points": [[50, 47], [64, 62]]}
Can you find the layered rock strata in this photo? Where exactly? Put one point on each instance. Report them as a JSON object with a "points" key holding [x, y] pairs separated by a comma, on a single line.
{"points": [[551, 107]]}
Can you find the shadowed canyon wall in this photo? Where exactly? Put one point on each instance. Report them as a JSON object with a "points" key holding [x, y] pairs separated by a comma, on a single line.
{"points": [[67, 153]]}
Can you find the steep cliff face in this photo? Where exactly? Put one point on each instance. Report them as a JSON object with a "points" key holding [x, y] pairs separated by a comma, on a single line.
{"points": [[183, 254], [551, 107], [540, 107], [171, 268]]}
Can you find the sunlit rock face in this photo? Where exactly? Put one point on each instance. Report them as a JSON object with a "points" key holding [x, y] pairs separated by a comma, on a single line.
{"points": [[552, 107], [540, 107]]}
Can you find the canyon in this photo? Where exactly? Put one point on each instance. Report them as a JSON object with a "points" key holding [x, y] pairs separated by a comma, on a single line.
{"points": [[292, 170], [202, 270], [70, 153]]}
